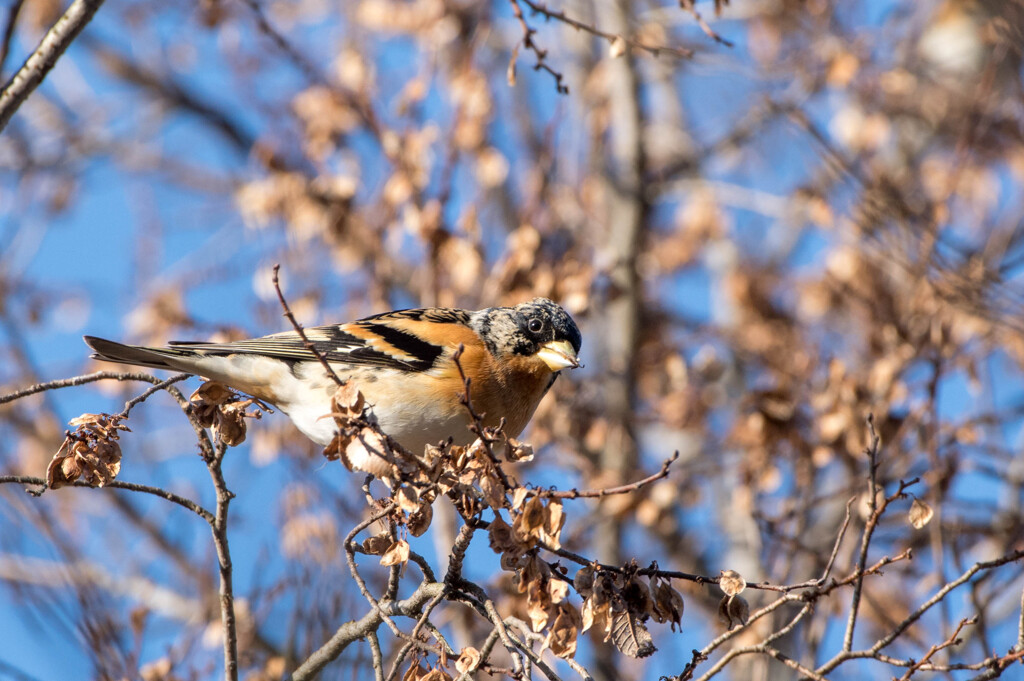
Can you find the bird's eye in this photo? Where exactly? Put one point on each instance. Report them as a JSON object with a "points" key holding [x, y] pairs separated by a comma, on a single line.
{"points": [[535, 326]]}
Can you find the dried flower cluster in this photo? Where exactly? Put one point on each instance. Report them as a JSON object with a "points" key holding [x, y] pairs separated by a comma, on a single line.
{"points": [[223, 410], [90, 453], [359, 445]]}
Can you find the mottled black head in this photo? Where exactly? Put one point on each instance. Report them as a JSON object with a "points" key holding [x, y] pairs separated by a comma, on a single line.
{"points": [[537, 327]]}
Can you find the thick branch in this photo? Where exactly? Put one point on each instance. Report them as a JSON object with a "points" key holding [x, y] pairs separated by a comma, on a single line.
{"points": [[358, 629], [45, 56]]}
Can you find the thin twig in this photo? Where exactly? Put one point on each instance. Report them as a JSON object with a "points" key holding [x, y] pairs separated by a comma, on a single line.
{"points": [[869, 527], [225, 570], [913, 617], [505, 636], [8, 35], [414, 634], [350, 557], [607, 491], [162, 385], [301, 331], [691, 7], [113, 484], [1020, 624], [376, 655], [477, 425], [839, 540], [357, 629], [954, 639], [560, 15], [80, 380], [540, 54]]}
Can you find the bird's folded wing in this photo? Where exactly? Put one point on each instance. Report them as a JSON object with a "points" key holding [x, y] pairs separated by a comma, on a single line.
{"points": [[406, 340]]}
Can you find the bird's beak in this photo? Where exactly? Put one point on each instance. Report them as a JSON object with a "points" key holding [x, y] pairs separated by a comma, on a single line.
{"points": [[558, 355]]}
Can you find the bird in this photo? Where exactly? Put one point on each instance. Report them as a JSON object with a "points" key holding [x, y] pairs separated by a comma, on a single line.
{"points": [[401, 361]]}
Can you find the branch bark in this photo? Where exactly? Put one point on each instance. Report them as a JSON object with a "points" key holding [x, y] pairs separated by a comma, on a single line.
{"points": [[45, 56]]}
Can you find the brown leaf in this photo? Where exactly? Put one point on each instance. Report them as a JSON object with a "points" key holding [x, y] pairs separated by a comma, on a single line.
{"points": [[538, 604], [630, 635], [554, 519], [637, 596], [512, 560], [518, 497], [558, 590], [531, 520], [588, 614], [230, 424], [213, 393], [364, 450], [739, 609]]}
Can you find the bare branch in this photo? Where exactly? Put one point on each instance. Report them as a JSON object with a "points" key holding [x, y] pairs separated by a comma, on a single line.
{"points": [[184, 502], [301, 331], [45, 56], [8, 33], [358, 629], [607, 491]]}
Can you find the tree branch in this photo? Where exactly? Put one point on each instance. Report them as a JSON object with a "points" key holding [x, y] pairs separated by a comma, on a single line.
{"points": [[45, 56]]}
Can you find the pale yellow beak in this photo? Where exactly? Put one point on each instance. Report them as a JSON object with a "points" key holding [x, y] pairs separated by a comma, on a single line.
{"points": [[558, 355]]}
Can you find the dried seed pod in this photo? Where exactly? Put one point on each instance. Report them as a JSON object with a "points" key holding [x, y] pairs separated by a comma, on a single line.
{"points": [[90, 453], [397, 554], [617, 47], [584, 580], [667, 602], [920, 514], [731, 582], [419, 520], [518, 451], [500, 535], [564, 631], [469, 660], [378, 544], [733, 611]]}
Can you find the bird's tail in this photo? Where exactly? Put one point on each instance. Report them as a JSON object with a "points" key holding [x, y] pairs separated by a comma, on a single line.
{"points": [[157, 358]]}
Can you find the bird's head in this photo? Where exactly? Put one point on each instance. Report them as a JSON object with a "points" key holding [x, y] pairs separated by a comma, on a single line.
{"points": [[539, 328]]}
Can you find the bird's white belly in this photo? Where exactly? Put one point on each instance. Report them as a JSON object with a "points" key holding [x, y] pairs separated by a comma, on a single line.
{"points": [[414, 425], [415, 418]]}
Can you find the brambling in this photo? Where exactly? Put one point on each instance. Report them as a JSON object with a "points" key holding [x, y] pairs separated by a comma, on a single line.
{"points": [[400, 361]]}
